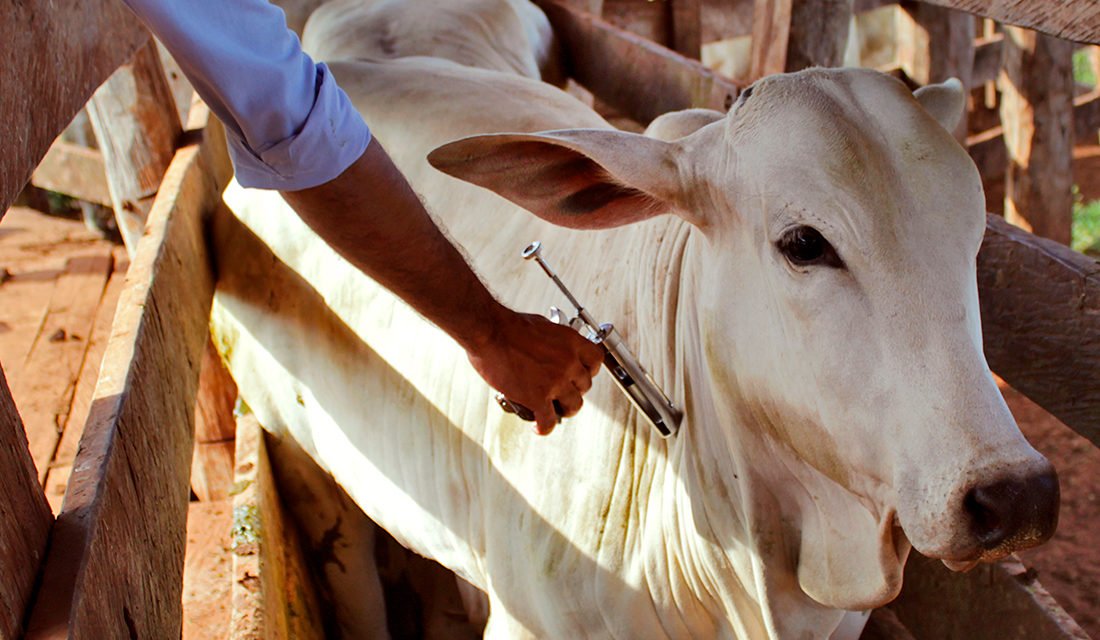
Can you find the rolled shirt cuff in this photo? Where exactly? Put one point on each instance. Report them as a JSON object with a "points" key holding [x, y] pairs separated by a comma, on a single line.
{"points": [[331, 139]]}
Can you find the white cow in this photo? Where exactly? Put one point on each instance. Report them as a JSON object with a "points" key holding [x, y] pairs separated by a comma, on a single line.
{"points": [[798, 275]]}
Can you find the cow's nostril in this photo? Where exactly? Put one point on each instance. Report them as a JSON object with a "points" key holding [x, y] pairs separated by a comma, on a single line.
{"points": [[1013, 514]]}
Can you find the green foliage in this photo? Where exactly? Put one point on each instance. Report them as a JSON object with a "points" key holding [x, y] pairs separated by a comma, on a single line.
{"points": [[1086, 225], [1082, 68]]}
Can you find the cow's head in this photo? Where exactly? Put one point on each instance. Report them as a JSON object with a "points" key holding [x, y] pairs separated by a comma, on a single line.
{"points": [[837, 308]]}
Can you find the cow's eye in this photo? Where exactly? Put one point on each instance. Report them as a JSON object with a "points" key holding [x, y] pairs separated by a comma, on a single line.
{"points": [[805, 246]]}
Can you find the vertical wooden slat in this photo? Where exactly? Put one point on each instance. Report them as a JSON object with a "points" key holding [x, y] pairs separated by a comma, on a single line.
{"points": [[687, 27], [819, 33], [771, 30], [1037, 113], [936, 44], [136, 125], [115, 563], [25, 519], [790, 35]]}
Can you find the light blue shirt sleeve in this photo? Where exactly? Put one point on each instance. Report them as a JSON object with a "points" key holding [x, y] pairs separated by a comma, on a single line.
{"points": [[288, 124]]}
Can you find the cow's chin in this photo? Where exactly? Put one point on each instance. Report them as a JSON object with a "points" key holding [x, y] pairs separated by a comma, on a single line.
{"points": [[851, 558]]}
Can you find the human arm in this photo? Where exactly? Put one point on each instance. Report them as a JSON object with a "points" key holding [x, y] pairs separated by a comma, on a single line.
{"points": [[371, 216], [291, 128]]}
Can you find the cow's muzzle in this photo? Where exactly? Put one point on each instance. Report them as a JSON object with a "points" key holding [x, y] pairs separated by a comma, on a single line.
{"points": [[1013, 513]]}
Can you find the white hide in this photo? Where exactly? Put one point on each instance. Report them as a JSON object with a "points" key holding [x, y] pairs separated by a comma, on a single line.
{"points": [[832, 415], [504, 35]]}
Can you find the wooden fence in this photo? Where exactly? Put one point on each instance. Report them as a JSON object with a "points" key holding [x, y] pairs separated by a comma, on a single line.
{"points": [[110, 565]]}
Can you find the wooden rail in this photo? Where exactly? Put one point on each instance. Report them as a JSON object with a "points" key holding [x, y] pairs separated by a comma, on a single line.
{"points": [[115, 561], [1077, 20], [673, 81], [55, 53]]}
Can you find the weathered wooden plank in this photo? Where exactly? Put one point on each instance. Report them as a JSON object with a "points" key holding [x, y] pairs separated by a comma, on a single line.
{"points": [[58, 352], [24, 519], [818, 34], [1037, 115], [115, 563], [1067, 19], [987, 148], [208, 571], [988, 60], [936, 44], [633, 75], [215, 429], [61, 466], [273, 597], [790, 36], [74, 171], [771, 31], [1086, 117], [1000, 600], [687, 27], [55, 53], [1040, 305], [136, 126]]}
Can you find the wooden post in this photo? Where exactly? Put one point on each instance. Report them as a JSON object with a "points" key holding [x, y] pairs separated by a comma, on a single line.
{"points": [[686, 24], [25, 519], [137, 125], [790, 35], [935, 44], [1037, 111]]}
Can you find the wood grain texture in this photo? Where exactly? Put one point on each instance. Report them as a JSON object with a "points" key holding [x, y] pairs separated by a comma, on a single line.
{"points": [[136, 126], [1040, 304], [208, 571], [884, 625], [1068, 19], [61, 466], [818, 34], [55, 53], [988, 59], [273, 596], [686, 26], [999, 600], [771, 31], [58, 353], [941, 46], [115, 564], [1037, 116], [215, 429], [987, 148], [633, 75], [25, 519], [75, 171]]}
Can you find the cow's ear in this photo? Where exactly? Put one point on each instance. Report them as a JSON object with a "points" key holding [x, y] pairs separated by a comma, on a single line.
{"points": [[946, 102], [578, 178]]}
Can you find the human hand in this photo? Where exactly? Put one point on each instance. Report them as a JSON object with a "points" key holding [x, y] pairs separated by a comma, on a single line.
{"points": [[537, 363]]}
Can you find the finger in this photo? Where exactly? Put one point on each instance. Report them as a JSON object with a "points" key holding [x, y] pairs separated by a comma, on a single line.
{"points": [[570, 403], [546, 418], [591, 357], [582, 381]]}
